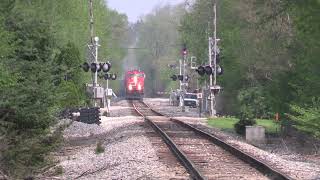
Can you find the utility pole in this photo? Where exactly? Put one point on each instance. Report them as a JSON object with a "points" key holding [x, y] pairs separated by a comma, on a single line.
{"points": [[184, 78], [93, 47], [180, 72], [213, 78], [97, 92], [215, 42], [91, 20], [96, 45], [181, 83]]}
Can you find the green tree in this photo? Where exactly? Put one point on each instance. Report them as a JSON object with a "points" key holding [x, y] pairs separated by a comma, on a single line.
{"points": [[42, 45], [270, 52], [306, 120], [158, 35]]}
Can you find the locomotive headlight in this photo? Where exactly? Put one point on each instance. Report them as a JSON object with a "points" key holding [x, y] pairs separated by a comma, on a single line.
{"points": [[139, 87], [135, 79], [130, 87]]}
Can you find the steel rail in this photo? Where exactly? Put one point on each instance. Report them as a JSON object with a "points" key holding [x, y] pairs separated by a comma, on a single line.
{"points": [[263, 167], [191, 168], [254, 162]]}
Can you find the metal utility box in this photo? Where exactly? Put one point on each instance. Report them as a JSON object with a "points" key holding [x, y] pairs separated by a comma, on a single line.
{"points": [[255, 134], [98, 92], [109, 92]]}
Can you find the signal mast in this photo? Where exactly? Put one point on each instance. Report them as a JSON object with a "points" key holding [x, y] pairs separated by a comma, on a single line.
{"points": [[98, 94]]}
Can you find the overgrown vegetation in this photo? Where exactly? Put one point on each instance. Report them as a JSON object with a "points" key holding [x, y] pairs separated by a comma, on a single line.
{"points": [[42, 45], [306, 120], [270, 55]]}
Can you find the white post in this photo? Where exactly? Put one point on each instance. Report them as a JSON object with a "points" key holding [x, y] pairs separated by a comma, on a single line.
{"points": [[95, 81], [215, 43], [211, 78], [180, 72], [91, 20], [96, 39], [214, 79], [183, 82], [108, 100]]}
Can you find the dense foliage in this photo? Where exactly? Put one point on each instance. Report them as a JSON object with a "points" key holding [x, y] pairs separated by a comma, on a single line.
{"points": [[158, 38], [42, 45], [269, 50], [270, 54]]}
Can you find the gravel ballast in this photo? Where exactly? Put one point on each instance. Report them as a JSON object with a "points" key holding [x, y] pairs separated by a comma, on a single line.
{"points": [[295, 169], [286, 163], [128, 152]]}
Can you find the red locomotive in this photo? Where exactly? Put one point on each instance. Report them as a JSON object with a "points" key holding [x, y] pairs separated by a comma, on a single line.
{"points": [[134, 83]]}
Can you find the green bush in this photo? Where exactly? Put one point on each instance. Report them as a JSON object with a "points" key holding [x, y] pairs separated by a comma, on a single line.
{"points": [[99, 148], [240, 126], [247, 118], [306, 119], [255, 100], [28, 152]]}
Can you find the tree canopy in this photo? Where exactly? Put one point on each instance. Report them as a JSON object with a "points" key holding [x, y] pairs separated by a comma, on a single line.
{"points": [[43, 43]]}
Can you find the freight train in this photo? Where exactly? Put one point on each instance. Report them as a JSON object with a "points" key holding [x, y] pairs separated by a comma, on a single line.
{"points": [[134, 84]]}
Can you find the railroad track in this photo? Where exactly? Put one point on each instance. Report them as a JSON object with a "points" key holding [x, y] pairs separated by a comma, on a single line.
{"points": [[203, 155]]}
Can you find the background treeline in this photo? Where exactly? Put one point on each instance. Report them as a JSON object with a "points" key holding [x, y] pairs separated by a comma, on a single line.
{"points": [[270, 52], [270, 55], [158, 42], [42, 45]]}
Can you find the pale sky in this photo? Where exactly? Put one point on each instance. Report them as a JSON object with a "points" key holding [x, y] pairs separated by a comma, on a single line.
{"points": [[136, 8]]}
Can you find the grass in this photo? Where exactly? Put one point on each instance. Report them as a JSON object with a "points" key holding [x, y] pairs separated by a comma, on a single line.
{"points": [[58, 170], [227, 124], [99, 149]]}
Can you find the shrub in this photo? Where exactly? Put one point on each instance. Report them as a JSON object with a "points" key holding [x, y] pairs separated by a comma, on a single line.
{"points": [[99, 148], [306, 119], [240, 126], [247, 118], [58, 170]]}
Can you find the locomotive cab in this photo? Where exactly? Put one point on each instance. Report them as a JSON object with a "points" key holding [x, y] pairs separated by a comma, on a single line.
{"points": [[134, 83]]}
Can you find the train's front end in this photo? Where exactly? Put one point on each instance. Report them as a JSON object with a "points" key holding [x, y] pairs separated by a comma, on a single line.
{"points": [[134, 83]]}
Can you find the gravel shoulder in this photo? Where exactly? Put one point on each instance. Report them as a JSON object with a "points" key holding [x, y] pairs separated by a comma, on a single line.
{"points": [[289, 163], [128, 152]]}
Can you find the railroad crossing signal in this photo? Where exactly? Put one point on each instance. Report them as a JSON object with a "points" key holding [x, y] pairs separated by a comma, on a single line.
{"points": [[201, 71], [95, 67], [105, 66], [180, 77], [209, 70], [174, 77], [184, 50], [110, 76], [216, 89], [98, 67], [85, 66]]}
